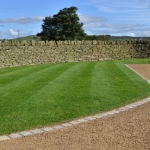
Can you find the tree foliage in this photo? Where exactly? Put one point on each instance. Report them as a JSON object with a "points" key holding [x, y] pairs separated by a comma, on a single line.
{"points": [[64, 25]]}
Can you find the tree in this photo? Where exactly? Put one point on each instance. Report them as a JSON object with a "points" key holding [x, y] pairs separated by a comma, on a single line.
{"points": [[64, 25]]}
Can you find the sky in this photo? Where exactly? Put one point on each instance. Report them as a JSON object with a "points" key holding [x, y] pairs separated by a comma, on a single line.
{"points": [[19, 18]]}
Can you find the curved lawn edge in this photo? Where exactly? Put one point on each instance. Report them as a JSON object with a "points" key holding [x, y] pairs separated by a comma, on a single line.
{"points": [[72, 123], [51, 94]]}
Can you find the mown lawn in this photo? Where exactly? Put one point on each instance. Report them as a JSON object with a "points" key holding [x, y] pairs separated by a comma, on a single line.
{"points": [[42, 95]]}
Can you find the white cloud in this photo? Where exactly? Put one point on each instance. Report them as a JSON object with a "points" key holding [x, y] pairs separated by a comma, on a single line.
{"points": [[137, 31], [119, 18], [13, 32], [131, 34], [100, 25], [91, 21], [123, 26], [23, 20], [121, 7]]}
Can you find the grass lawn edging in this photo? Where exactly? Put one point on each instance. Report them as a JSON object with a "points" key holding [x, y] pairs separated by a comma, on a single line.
{"points": [[42, 95]]}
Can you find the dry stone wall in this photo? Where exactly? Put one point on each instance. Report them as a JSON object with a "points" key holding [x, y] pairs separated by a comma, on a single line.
{"points": [[17, 53]]}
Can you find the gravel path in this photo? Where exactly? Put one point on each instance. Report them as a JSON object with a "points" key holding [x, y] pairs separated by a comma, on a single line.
{"points": [[128, 130]]}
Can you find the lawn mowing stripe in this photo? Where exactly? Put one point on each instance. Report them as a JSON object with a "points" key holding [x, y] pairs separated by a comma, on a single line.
{"points": [[119, 79], [77, 93], [24, 87], [74, 122], [100, 88], [131, 75], [136, 79], [103, 93], [14, 96], [55, 106], [138, 73], [26, 81], [58, 84], [140, 84], [54, 91], [21, 73], [5, 71], [29, 106], [67, 96], [13, 70], [111, 87]]}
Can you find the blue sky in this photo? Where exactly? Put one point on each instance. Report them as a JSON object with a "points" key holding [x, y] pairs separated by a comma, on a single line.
{"points": [[100, 17]]}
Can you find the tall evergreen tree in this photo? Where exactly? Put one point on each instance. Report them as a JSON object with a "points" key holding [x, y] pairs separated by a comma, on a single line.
{"points": [[64, 25]]}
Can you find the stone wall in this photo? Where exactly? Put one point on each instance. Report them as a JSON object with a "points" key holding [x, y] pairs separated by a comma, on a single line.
{"points": [[17, 53]]}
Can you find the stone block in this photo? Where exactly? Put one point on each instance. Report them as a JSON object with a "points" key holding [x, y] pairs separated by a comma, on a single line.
{"points": [[2, 138], [47, 129], [6, 43], [57, 127], [94, 42], [33, 42], [72, 42], [15, 135], [67, 124], [41, 43], [66, 42], [36, 131], [23, 43], [26, 133]]}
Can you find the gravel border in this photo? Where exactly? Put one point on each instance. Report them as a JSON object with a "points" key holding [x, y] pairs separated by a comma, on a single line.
{"points": [[138, 73], [78, 121]]}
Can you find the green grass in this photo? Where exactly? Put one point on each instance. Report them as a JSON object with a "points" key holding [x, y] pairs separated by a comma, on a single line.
{"points": [[27, 38], [42, 95]]}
